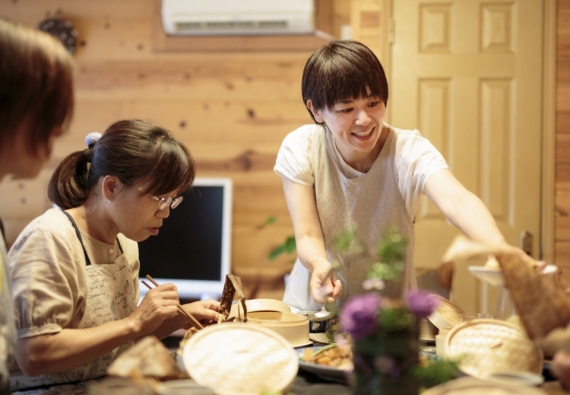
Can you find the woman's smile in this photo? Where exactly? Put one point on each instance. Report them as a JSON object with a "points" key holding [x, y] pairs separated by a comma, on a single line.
{"points": [[364, 135]]}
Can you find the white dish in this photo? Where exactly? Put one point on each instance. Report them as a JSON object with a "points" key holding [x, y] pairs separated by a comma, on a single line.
{"points": [[495, 276], [320, 338], [517, 378], [473, 386], [326, 372], [303, 345], [182, 387]]}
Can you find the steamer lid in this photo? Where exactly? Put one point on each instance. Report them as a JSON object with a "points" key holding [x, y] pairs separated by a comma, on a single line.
{"points": [[240, 359]]}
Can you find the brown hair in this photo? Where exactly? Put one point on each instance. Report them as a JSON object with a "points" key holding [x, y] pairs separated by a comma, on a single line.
{"points": [[131, 150], [340, 70], [36, 84]]}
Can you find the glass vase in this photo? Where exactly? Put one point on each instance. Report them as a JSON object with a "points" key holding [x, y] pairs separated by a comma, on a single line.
{"points": [[383, 363]]}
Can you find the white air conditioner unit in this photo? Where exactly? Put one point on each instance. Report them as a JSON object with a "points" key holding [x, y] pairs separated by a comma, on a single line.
{"points": [[237, 17]]}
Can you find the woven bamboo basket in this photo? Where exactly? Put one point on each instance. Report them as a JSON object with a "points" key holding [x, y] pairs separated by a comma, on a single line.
{"points": [[485, 347], [447, 314], [240, 359]]}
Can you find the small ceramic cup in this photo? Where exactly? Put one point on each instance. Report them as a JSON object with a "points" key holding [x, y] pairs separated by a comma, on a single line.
{"points": [[315, 326]]}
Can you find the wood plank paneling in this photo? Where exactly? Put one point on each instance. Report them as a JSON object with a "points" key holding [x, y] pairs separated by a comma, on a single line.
{"points": [[562, 161], [231, 108], [563, 176], [562, 228], [563, 120]]}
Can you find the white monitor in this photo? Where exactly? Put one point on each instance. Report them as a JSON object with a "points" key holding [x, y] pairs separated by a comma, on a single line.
{"points": [[193, 247]]}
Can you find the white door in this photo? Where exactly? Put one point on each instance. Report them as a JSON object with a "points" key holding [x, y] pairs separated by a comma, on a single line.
{"points": [[467, 74]]}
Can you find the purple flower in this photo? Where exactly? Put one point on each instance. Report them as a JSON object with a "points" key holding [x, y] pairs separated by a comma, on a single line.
{"points": [[421, 304], [359, 315]]}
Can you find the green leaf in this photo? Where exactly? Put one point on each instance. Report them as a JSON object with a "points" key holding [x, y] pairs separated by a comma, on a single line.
{"points": [[395, 319], [346, 240], [392, 247], [275, 253], [331, 331], [324, 348], [436, 372], [270, 220], [290, 245]]}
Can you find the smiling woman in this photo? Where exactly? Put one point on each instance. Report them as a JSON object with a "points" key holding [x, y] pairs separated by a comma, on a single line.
{"points": [[77, 309], [351, 170]]}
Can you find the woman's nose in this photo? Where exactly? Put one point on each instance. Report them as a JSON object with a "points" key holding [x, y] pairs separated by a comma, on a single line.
{"points": [[362, 118], [163, 213]]}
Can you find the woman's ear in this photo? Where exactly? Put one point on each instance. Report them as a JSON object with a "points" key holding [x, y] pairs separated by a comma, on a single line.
{"points": [[110, 187], [314, 111]]}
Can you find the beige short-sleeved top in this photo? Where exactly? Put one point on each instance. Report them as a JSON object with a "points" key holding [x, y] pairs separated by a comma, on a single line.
{"points": [[47, 272], [387, 195]]}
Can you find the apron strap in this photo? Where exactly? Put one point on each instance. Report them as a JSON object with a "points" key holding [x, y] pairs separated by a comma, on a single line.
{"points": [[78, 233], [87, 260]]}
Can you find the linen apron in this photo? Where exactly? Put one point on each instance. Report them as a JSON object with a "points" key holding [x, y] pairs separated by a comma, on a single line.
{"points": [[110, 297], [345, 199]]}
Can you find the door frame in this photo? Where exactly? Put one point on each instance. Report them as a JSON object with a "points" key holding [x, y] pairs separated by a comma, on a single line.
{"points": [[547, 220]]}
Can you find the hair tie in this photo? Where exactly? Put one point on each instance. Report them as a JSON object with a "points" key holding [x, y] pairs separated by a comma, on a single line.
{"points": [[92, 138], [88, 154]]}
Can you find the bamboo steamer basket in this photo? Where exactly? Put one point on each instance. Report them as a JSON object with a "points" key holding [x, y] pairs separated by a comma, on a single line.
{"points": [[447, 314], [275, 315], [240, 359], [485, 347], [293, 327]]}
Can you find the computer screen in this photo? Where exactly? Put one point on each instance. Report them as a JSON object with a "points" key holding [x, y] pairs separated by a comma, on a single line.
{"points": [[193, 247]]}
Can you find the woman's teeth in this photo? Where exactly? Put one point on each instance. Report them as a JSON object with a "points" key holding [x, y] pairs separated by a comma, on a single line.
{"points": [[362, 134]]}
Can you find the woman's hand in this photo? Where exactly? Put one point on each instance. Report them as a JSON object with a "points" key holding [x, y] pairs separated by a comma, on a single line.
{"points": [[203, 310], [561, 368], [324, 284], [158, 305]]}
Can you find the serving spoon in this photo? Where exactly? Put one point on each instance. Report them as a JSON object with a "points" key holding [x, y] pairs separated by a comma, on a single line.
{"points": [[322, 315]]}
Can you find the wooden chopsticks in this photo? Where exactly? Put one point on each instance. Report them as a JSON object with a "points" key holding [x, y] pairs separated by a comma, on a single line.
{"points": [[193, 320]]}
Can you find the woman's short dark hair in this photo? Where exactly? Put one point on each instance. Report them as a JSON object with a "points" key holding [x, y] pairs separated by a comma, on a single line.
{"points": [[131, 150], [340, 70], [36, 85]]}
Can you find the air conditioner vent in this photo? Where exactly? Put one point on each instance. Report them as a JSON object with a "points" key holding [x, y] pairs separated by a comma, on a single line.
{"points": [[230, 26]]}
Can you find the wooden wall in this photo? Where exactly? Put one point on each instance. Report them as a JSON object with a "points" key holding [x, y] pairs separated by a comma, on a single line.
{"points": [[562, 174], [232, 108]]}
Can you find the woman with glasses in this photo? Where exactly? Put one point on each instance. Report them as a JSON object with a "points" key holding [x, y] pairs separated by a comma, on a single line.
{"points": [[75, 271]]}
